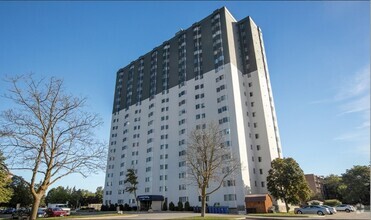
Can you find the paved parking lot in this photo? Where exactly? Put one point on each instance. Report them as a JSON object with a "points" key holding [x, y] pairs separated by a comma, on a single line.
{"points": [[338, 215]]}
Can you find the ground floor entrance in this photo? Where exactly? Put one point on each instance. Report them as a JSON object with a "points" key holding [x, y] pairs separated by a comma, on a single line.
{"points": [[150, 202]]}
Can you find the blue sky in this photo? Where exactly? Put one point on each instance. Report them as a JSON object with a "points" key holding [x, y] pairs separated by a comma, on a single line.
{"points": [[318, 56]]}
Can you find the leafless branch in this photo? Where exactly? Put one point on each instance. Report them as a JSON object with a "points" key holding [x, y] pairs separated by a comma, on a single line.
{"points": [[48, 132]]}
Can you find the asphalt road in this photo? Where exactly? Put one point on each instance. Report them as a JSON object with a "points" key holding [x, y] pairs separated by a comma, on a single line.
{"points": [[180, 215]]}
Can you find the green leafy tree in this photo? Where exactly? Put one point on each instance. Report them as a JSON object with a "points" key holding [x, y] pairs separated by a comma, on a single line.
{"points": [[75, 197], [49, 134], [209, 161], [332, 186], [132, 183], [21, 193], [99, 195], [58, 195], [286, 181], [357, 185], [5, 180]]}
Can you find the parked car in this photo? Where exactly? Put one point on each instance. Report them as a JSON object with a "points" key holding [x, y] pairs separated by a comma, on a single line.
{"points": [[41, 212], [9, 211], [21, 213], [62, 206], [312, 209], [54, 212], [345, 207], [331, 209]]}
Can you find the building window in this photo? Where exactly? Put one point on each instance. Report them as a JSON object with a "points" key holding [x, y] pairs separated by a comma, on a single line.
{"points": [[199, 198], [182, 163], [220, 88], [182, 153], [263, 184], [259, 159], [223, 120], [230, 197], [222, 109], [182, 121], [227, 183], [182, 131], [182, 175]]}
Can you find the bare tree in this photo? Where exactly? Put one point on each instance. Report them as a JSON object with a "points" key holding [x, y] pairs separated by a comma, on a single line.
{"points": [[209, 161], [48, 134]]}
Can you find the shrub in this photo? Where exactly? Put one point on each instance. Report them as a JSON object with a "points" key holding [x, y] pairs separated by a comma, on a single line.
{"points": [[180, 206], [187, 206], [164, 206], [126, 207], [104, 208], [112, 207], [332, 202], [171, 206]]}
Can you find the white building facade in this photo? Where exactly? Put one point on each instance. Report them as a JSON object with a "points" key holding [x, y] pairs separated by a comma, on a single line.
{"points": [[216, 70]]}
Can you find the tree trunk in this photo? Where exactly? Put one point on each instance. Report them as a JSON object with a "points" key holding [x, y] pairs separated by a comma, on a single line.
{"points": [[35, 206], [287, 206], [203, 201]]}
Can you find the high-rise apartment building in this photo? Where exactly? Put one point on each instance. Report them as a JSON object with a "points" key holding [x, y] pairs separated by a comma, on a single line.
{"points": [[215, 70]]}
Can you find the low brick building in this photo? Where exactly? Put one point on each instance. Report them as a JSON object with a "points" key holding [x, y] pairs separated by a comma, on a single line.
{"points": [[258, 203]]}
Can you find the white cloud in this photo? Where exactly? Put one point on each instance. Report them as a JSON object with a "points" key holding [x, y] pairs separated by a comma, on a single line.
{"points": [[361, 104], [353, 100], [347, 137], [355, 85]]}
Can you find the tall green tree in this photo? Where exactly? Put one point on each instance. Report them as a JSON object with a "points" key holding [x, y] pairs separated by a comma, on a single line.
{"points": [[21, 193], [132, 183], [332, 185], [5, 180], [357, 185], [286, 181], [58, 195], [99, 195], [48, 133]]}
